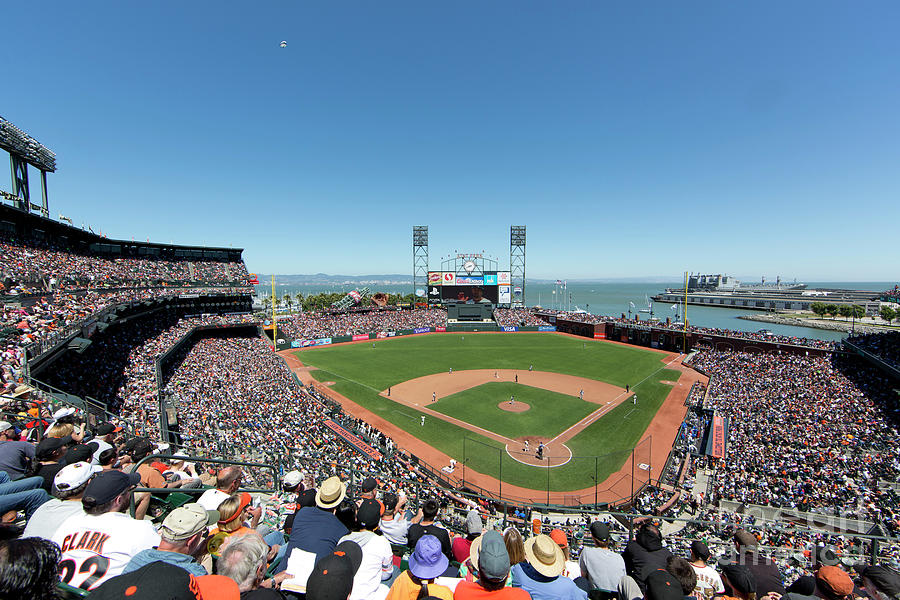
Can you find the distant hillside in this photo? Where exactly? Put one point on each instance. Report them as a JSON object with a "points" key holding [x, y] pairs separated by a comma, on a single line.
{"points": [[326, 279]]}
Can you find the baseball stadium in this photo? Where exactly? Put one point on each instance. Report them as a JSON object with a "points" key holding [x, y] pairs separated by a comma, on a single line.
{"points": [[141, 380]]}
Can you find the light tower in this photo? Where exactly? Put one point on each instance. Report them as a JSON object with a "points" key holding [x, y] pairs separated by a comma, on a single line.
{"points": [[517, 263], [420, 257]]}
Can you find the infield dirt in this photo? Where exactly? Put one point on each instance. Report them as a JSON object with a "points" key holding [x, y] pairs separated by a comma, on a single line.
{"points": [[661, 431]]}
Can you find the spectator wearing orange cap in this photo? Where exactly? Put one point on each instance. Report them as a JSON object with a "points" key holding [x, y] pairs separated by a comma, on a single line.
{"points": [[572, 569]]}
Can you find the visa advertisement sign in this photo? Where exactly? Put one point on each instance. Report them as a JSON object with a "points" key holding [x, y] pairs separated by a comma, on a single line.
{"points": [[510, 329]]}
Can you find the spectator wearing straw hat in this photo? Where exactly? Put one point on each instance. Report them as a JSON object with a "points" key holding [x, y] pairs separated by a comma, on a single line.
{"points": [[316, 529], [541, 573], [426, 563]]}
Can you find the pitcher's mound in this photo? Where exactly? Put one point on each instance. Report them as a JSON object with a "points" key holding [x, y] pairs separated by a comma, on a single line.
{"points": [[514, 407]]}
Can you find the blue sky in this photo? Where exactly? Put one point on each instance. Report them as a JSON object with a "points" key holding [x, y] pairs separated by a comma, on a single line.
{"points": [[632, 139]]}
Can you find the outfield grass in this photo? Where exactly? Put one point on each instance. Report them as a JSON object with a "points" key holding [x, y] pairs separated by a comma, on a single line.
{"points": [[360, 372], [550, 414]]}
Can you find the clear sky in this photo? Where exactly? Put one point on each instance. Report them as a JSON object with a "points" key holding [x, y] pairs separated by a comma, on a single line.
{"points": [[631, 138]]}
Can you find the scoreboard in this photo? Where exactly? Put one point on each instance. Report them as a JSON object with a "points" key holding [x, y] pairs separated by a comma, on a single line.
{"points": [[447, 286]]}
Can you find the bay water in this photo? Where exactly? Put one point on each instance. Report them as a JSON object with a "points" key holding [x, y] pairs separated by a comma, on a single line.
{"points": [[614, 299]]}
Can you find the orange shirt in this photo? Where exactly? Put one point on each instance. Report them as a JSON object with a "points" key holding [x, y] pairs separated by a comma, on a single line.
{"points": [[405, 589]]}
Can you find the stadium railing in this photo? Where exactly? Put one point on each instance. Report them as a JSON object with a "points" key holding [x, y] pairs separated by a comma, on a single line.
{"points": [[161, 494], [874, 359]]}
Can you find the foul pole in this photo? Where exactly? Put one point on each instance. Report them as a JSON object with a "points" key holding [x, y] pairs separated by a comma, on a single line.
{"points": [[274, 321], [684, 317]]}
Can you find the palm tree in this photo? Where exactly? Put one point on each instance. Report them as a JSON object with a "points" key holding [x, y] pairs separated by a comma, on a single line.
{"points": [[289, 301]]}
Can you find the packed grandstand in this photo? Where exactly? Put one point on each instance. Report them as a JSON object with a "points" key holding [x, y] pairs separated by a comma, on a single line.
{"points": [[184, 383]]}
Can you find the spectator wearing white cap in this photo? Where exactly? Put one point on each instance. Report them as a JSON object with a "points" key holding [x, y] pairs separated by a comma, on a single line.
{"points": [[182, 533], [68, 487]]}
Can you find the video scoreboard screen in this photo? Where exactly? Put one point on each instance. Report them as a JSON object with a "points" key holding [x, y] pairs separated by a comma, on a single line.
{"points": [[491, 287]]}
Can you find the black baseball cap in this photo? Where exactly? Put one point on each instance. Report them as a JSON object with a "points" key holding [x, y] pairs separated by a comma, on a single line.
{"points": [[107, 485], [390, 500], [369, 514], [369, 484], [307, 498], [700, 550], [79, 453], [740, 578], [600, 531], [107, 428], [159, 580], [662, 585], [332, 578], [47, 446]]}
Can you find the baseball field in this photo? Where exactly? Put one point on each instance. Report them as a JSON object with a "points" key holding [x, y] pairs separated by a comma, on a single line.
{"points": [[490, 400]]}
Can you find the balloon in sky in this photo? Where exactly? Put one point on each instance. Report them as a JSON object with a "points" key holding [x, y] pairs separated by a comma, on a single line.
{"points": [[283, 44]]}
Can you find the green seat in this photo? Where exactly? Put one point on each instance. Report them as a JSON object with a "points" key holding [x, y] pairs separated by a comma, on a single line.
{"points": [[273, 568], [399, 550], [68, 592], [162, 504]]}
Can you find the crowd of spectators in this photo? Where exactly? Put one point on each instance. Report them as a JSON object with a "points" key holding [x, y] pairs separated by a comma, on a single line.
{"points": [[29, 266], [119, 368], [517, 317], [812, 433], [585, 317], [315, 325]]}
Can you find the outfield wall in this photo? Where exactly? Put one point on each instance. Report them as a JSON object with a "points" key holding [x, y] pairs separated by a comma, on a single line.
{"points": [[380, 335]]}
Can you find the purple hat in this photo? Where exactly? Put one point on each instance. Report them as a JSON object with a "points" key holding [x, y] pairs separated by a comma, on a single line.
{"points": [[427, 561]]}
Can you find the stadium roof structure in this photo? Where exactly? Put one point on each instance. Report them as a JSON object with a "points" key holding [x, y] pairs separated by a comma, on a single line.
{"points": [[15, 141]]}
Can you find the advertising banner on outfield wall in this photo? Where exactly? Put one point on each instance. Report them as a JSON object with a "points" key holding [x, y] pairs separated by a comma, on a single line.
{"points": [[385, 334], [434, 278], [440, 329], [361, 336], [422, 330], [546, 328], [490, 279], [599, 336], [503, 295], [448, 279], [503, 278], [510, 329]]}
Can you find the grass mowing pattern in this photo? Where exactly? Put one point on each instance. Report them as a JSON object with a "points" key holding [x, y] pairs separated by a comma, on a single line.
{"points": [[550, 414], [360, 372]]}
